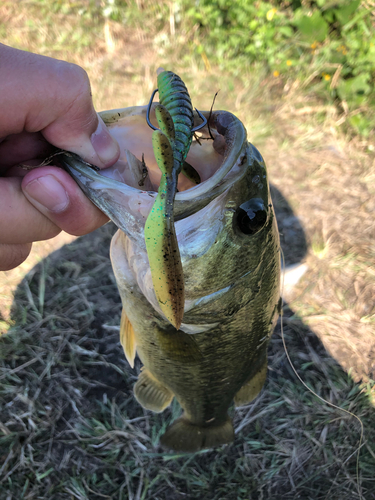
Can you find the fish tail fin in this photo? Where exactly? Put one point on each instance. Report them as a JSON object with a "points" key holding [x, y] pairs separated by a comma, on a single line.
{"points": [[184, 436]]}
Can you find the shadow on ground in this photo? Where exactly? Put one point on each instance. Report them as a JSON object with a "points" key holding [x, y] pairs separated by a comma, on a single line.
{"points": [[70, 427]]}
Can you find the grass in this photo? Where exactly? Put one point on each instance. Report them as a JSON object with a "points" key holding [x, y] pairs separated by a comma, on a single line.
{"points": [[69, 425], [72, 429]]}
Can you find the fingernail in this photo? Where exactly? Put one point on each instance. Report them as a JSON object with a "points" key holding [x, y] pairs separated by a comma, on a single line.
{"points": [[105, 146], [48, 192]]}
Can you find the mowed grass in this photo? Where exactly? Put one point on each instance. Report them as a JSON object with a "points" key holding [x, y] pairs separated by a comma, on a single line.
{"points": [[69, 425]]}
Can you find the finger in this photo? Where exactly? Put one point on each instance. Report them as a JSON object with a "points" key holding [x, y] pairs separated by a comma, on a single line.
{"points": [[21, 170], [57, 196], [12, 256], [20, 221], [19, 148], [53, 97]]}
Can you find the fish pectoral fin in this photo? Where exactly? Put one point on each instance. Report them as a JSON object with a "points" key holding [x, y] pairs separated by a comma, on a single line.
{"points": [[184, 436], [127, 338], [151, 394], [252, 388]]}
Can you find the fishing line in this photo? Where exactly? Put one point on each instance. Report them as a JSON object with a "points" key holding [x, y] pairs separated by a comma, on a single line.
{"points": [[317, 395]]}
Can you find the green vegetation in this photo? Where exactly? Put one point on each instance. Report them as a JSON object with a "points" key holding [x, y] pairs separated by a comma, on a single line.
{"points": [[328, 46], [330, 43]]}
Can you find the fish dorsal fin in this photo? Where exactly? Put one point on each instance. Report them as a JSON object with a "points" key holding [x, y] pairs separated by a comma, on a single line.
{"points": [[127, 338]]}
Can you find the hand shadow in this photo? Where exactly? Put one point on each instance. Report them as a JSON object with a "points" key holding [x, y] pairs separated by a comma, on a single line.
{"points": [[72, 428]]}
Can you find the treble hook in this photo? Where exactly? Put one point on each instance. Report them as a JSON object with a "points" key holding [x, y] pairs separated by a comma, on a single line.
{"points": [[195, 129]]}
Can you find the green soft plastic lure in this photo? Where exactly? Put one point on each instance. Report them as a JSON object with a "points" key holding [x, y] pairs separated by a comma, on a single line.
{"points": [[171, 144]]}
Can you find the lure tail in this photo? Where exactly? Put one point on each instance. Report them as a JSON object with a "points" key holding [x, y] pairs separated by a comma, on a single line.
{"points": [[160, 237]]}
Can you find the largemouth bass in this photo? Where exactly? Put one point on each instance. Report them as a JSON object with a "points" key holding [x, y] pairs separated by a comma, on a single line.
{"points": [[230, 255]]}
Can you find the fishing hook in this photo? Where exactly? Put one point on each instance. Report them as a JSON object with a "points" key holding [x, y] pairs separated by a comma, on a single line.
{"points": [[195, 129]]}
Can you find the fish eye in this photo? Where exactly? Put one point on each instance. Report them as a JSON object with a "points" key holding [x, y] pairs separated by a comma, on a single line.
{"points": [[251, 216]]}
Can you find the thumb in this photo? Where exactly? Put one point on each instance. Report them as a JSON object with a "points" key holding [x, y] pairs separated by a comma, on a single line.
{"points": [[53, 97], [76, 126], [82, 131]]}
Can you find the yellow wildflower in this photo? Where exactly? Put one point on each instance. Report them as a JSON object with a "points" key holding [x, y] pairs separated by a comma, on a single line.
{"points": [[327, 77], [270, 14], [314, 45], [342, 49], [276, 73], [289, 62]]}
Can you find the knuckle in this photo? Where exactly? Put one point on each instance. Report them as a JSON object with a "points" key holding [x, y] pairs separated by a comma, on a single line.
{"points": [[50, 232], [84, 227], [80, 107], [44, 229], [78, 77], [78, 94], [79, 228]]}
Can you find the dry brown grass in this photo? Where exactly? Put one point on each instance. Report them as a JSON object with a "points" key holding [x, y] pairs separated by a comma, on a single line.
{"points": [[328, 181]]}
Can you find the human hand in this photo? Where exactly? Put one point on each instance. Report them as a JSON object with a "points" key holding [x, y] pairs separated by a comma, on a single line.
{"points": [[45, 103]]}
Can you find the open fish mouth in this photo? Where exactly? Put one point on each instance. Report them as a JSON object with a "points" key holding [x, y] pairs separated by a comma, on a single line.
{"points": [[126, 192]]}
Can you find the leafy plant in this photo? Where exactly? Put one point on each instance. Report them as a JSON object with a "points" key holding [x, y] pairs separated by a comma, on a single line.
{"points": [[334, 39]]}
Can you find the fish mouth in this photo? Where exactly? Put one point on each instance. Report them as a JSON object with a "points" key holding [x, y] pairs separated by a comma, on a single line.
{"points": [[126, 197], [126, 192]]}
